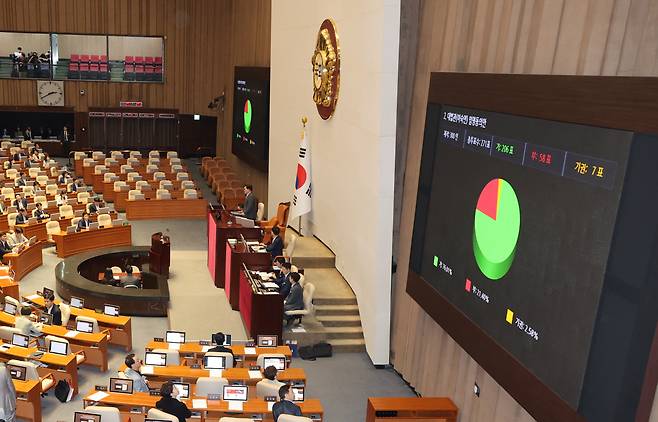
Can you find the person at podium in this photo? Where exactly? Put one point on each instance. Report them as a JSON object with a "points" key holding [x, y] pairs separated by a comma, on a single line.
{"points": [[84, 222], [250, 206], [276, 245]]}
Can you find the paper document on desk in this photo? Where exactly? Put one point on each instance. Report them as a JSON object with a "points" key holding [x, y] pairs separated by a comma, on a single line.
{"points": [[270, 405], [249, 350], [71, 333], [270, 285], [146, 370], [5, 347], [97, 396], [255, 375], [215, 373], [174, 346], [298, 330], [252, 242], [235, 406], [33, 297], [199, 404]]}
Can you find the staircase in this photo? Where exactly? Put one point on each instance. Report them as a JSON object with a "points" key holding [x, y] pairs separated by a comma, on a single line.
{"points": [[336, 318]]}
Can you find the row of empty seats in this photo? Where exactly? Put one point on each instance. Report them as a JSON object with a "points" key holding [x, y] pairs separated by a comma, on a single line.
{"points": [[88, 58]]}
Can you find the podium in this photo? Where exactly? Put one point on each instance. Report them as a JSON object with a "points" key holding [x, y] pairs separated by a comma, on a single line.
{"points": [[159, 254], [236, 255]]}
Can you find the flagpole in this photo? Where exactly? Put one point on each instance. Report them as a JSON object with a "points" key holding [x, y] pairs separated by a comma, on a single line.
{"points": [[304, 121]]}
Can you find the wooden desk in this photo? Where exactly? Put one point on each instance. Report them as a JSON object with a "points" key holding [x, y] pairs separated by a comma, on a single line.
{"points": [[416, 409], [66, 222], [166, 208], [236, 255], [28, 400], [37, 229], [93, 344], [26, 260], [121, 198], [62, 367], [9, 287], [215, 408], [120, 327], [258, 310], [239, 351], [219, 231], [73, 243]]}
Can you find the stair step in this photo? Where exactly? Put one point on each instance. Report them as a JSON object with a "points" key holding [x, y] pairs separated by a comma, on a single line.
{"points": [[348, 345], [336, 310], [340, 333], [334, 300], [340, 320]]}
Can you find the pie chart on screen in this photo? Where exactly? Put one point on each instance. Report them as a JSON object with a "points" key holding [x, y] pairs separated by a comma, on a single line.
{"points": [[247, 116], [496, 228]]}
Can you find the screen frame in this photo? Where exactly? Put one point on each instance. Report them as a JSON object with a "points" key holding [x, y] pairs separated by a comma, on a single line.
{"points": [[78, 415], [155, 353], [206, 357], [235, 386], [50, 347], [606, 102], [13, 336], [105, 307], [278, 358], [22, 369], [175, 332], [266, 336], [132, 385], [82, 302], [77, 325]]}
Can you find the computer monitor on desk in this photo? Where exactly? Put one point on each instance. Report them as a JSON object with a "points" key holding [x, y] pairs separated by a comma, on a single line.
{"points": [[84, 327], [267, 341], [214, 362], [121, 385], [155, 359], [175, 337], [278, 362], [58, 347], [17, 372], [77, 302], [86, 417], [183, 390], [20, 340], [234, 393], [10, 308]]}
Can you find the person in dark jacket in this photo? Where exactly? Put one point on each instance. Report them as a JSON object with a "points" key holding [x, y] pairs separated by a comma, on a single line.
{"points": [[285, 405], [283, 281], [250, 208], [219, 339], [53, 309], [170, 405], [276, 245]]}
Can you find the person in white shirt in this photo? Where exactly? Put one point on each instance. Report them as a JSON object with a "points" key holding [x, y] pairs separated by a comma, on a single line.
{"points": [[17, 237], [61, 198], [25, 324], [269, 379]]}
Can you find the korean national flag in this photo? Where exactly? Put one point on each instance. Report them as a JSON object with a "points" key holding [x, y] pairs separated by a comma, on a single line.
{"points": [[301, 199]]}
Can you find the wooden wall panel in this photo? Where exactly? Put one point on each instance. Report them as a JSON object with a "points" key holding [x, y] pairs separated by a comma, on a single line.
{"points": [[204, 40], [578, 37]]}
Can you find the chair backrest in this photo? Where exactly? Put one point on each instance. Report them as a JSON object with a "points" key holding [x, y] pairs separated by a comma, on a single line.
{"points": [[261, 357], [228, 358], [8, 193], [189, 194], [151, 168], [66, 211], [100, 169], [79, 155], [11, 218], [267, 388], [173, 357], [88, 162], [290, 249], [135, 154], [108, 414], [41, 200], [154, 413], [83, 197], [107, 177], [309, 292], [154, 161], [104, 220], [282, 213], [7, 333], [97, 155], [174, 160], [176, 168], [118, 184], [33, 172], [261, 211], [131, 176], [208, 385], [94, 321], [52, 227], [159, 175], [172, 154], [154, 154], [166, 184], [66, 313], [116, 155], [141, 183], [11, 174], [30, 369], [42, 180], [125, 168], [182, 176], [54, 172], [187, 184], [132, 193], [162, 194], [132, 161], [291, 418], [75, 221], [51, 189], [28, 190]]}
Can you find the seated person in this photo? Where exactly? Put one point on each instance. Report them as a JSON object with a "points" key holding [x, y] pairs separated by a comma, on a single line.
{"points": [[3, 209], [283, 281], [129, 279], [52, 309], [22, 217], [16, 157], [39, 213], [79, 183], [34, 156], [61, 198], [295, 299], [64, 178], [20, 180], [20, 203], [269, 378], [277, 263], [219, 339], [108, 278], [276, 245], [170, 405], [98, 204], [140, 383], [84, 222], [17, 237], [26, 323], [285, 405], [5, 247]]}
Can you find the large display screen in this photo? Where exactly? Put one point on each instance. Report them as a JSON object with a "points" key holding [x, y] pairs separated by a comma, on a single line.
{"points": [[514, 221], [251, 115]]}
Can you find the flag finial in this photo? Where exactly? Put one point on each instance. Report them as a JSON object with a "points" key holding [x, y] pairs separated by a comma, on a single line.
{"points": [[304, 120]]}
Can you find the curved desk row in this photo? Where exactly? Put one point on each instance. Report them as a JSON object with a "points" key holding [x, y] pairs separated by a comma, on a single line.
{"points": [[166, 208], [72, 243], [25, 261]]}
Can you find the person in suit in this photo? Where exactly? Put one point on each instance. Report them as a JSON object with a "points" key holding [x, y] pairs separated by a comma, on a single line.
{"points": [[77, 184], [96, 205], [53, 309], [61, 198], [65, 138], [250, 207], [25, 324], [63, 178], [39, 213], [20, 180], [283, 281], [285, 405], [5, 247], [171, 405], [16, 157], [295, 299], [28, 134], [219, 339], [108, 278], [129, 279], [22, 216], [20, 203], [276, 245], [84, 222], [17, 238], [140, 383]]}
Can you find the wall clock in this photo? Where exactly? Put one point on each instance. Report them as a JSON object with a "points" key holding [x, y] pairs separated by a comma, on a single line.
{"points": [[326, 69], [50, 93]]}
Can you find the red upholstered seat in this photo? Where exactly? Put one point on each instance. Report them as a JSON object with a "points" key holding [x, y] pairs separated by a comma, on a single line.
{"points": [[139, 60], [73, 67], [95, 58], [130, 60], [103, 58], [75, 58], [84, 58], [157, 60]]}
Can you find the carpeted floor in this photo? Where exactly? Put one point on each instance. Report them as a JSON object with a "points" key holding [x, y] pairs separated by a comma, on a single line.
{"points": [[342, 382]]}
